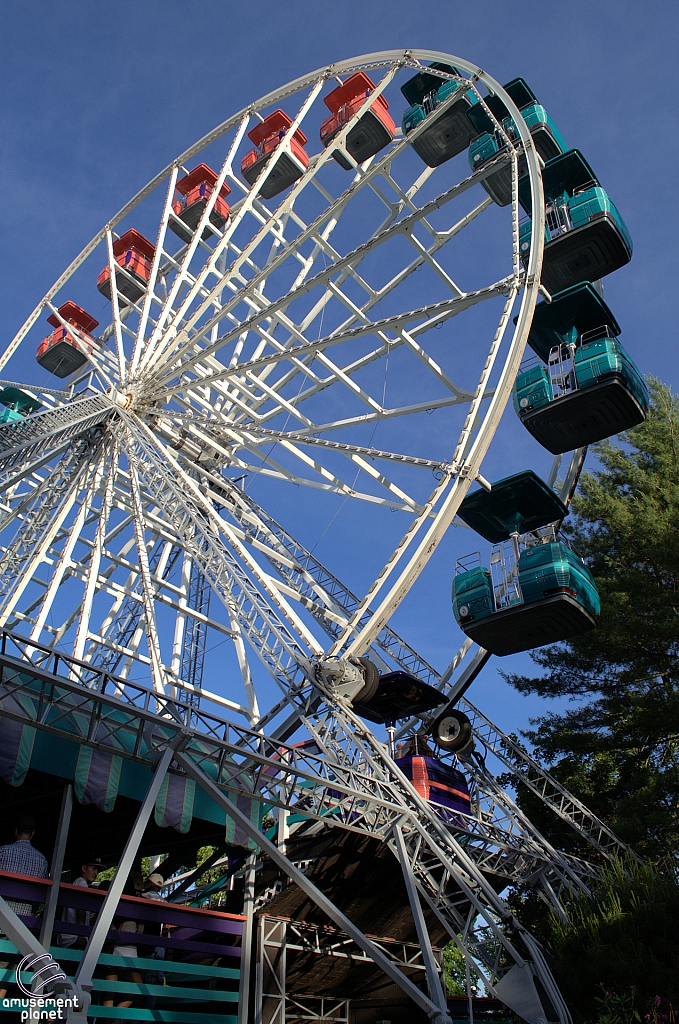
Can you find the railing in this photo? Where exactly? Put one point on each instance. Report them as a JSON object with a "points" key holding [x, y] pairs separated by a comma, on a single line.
{"points": [[467, 562], [603, 331], [504, 558], [586, 186], [432, 100], [562, 370], [557, 218], [187, 974], [530, 360], [98, 679]]}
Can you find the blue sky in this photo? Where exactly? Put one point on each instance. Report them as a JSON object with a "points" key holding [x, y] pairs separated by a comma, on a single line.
{"points": [[97, 98]]}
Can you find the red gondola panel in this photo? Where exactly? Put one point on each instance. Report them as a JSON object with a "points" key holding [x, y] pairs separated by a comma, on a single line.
{"points": [[194, 191], [373, 131], [134, 254], [58, 352], [267, 137]]}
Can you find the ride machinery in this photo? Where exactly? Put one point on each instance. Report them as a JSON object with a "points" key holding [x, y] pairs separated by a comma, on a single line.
{"points": [[266, 364]]}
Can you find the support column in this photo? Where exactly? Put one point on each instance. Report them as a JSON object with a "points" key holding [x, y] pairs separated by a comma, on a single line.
{"points": [[273, 970], [320, 899], [434, 980], [283, 830], [95, 943], [259, 983], [247, 939], [57, 866]]}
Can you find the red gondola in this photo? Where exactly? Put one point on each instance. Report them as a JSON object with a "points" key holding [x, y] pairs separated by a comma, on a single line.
{"points": [[373, 131], [134, 254], [195, 190], [267, 136], [58, 352]]}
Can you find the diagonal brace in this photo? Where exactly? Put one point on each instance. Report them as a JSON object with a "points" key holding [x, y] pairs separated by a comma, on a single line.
{"points": [[105, 916], [320, 899], [433, 979], [27, 944], [51, 902]]}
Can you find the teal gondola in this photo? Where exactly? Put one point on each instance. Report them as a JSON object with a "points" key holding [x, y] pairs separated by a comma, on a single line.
{"points": [[589, 388], [18, 404], [537, 591], [548, 140], [585, 235], [448, 131]]}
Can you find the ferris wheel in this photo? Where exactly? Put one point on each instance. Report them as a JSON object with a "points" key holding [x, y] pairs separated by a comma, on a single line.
{"points": [[312, 308]]}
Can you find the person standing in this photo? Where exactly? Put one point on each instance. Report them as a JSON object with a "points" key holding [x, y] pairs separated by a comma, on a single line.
{"points": [[21, 858], [88, 876], [153, 886], [152, 891], [130, 952]]}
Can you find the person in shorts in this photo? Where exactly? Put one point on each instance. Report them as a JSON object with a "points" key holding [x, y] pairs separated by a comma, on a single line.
{"points": [[152, 891], [127, 950]]}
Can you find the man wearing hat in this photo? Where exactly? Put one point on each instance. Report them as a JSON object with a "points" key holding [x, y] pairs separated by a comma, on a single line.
{"points": [[154, 883], [88, 876]]}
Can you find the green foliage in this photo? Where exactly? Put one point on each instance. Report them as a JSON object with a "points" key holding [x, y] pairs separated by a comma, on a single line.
{"points": [[617, 1009], [108, 873], [454, 971], [209, 876], [622, 940], [617, 748]]}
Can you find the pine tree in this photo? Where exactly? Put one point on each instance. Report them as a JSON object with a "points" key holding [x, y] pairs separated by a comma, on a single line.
{"points": [[618, 746]]}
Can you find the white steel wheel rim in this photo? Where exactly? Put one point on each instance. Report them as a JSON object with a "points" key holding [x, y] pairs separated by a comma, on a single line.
{"points": [[102, 500], [130, 467]]}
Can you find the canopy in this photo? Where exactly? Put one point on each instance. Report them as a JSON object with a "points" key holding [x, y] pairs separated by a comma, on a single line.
{"points": [[580, 307], [195, 177], [276, 122], [516, 504], [564, 173], [421, 84], [399, 695], [23, 401], [73, 314], [356, 85], [105, 765], [133, 240], [519, 91]]}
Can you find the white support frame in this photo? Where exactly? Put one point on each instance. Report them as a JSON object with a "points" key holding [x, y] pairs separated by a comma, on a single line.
{"points": [[225, 367]]}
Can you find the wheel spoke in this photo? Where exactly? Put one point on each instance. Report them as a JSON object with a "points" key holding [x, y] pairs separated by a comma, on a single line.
{"points": [[264, 344]]}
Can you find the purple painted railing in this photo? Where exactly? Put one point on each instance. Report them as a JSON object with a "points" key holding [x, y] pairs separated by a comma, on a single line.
{"points": [[187, 930]]}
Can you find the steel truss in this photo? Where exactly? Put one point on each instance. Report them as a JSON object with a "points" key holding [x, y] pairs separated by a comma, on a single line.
{"points": [[277, 937], [262, 348], [449, 860]]}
